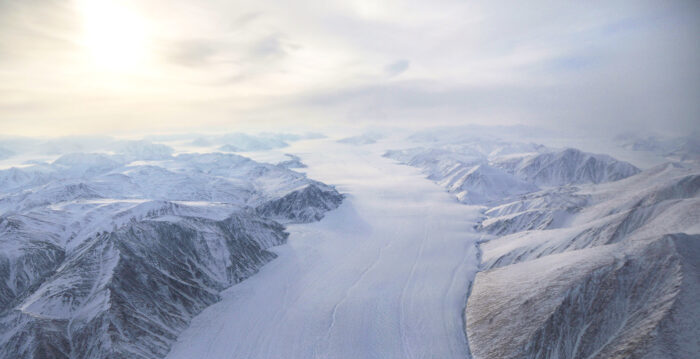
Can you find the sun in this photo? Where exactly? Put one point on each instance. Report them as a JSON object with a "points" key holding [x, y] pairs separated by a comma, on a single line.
{"points": [[114, 35]]}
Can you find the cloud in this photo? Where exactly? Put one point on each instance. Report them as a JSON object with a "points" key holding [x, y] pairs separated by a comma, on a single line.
{"points": [[247, 18], [269, 46], [190, 52], [574, 65], [397, 68]]}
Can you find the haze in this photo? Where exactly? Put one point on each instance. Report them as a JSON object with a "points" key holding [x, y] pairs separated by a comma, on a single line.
{"points": [[121, 67]]}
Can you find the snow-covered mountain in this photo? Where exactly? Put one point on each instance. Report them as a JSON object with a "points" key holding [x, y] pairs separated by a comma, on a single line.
{"points": [[632, 299], [144, 150], [292, 162], [155, 147], [596, 259], [244, 142], [489, 172], [110, 256], [660, 200], [568, 166]]}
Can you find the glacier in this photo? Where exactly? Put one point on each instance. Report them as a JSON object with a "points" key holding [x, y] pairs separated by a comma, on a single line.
{"points": [[383, 276]]}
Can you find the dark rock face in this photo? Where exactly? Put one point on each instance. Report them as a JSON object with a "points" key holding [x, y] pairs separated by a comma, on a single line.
{"points": [[29, 256], [19, 274], [33, 337], [305, 205]]}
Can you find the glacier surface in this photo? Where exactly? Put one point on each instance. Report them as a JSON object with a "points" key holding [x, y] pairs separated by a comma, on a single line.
{"points": [[383, 276]]}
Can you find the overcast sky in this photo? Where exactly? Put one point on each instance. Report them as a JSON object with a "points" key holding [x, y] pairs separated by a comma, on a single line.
{"points": [[118, 67]]}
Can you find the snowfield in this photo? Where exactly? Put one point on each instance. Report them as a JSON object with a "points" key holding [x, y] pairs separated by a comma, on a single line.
{"points": [[383, 276]]}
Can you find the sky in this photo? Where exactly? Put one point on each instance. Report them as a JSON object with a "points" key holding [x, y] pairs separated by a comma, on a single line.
{"points": [[75, 67]]}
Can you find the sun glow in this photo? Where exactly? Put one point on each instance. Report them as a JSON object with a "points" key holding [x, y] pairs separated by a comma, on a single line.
{"points": [[114, 35]]}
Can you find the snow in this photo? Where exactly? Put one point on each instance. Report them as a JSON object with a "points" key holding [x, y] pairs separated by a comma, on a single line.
{"points": [[488, 171], [86, 238], [597, 263], [579, 254], [383, 276]]}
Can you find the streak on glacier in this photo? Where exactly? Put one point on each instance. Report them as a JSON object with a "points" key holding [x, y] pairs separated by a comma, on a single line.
{"points": [[383, 276]]}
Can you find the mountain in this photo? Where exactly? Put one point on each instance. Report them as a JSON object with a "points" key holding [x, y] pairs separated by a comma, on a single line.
{"points": [[144, 150], [596, 259], [467, 175], [132, 290], [245, 142], [110, 256], [304, 205], [538, 210], [569, 166], [292, 162], [657, 201], [618, 271], [633, 299], [229, 148], [489, 173]]}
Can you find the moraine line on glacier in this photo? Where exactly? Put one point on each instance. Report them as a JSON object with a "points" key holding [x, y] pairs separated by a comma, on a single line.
{"points": [[383, 276]]}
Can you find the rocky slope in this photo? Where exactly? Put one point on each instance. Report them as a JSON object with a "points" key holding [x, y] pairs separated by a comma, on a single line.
{"points": [[634, 299], [613, 266]]}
